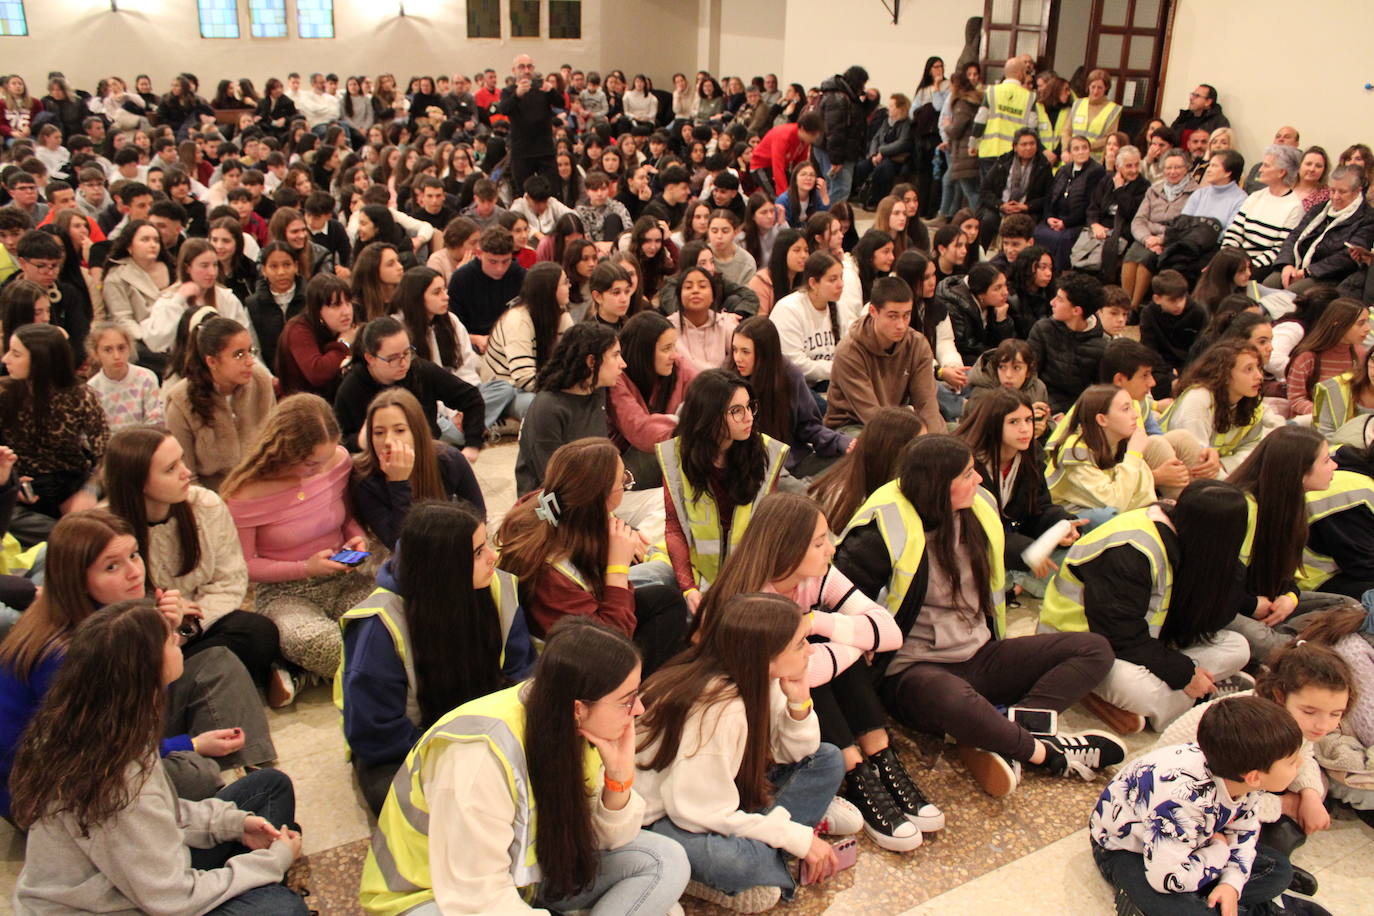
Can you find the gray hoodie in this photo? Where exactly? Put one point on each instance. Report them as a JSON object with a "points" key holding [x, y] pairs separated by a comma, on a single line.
{"points": [[139, 861]]}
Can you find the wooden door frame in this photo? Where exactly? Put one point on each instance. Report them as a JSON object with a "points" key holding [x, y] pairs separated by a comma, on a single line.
{"points": [[1159, 62]]}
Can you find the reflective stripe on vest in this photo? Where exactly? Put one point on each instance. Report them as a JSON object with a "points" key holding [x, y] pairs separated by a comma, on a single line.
{"points": [[1062, 608], [1079, 125], [1226, 443], [1347, 491], [697, 512], [904, 536], [1072, 453], [390, 607], [396, 876], [1010, 108], [1331, 403]]}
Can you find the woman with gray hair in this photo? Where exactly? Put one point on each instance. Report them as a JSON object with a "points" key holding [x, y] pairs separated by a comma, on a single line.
{"points": [[1269, 214], [1161, 206]]}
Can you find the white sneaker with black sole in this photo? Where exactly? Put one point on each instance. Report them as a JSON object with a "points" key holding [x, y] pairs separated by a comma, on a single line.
{"points": [[1236, 683], [1082, 754]]}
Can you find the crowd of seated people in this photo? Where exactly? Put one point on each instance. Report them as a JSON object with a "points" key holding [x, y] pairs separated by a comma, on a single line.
{"points": [[780, 471]]}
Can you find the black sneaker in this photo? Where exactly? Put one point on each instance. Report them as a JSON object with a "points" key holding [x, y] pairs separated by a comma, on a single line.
{"points": [[1297, 905], [884, 821], [1082, 754], [904, 791], [1125, 906], [1236, 683]]}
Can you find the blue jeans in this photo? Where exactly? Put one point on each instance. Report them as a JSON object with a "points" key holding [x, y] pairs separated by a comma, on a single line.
{"points": [[954, 188], [521, 405], [497, 396], [1099, 516], [838, 185], [645, 876], [731, 863], [1269, 877], [951, 403], [268, 794]]}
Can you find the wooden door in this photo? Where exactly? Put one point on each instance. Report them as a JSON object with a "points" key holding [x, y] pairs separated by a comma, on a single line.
{"points": [[1130, 40], [1012, 27]]}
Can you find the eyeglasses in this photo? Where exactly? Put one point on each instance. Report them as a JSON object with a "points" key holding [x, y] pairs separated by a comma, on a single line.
{"points": [[627, 482], [404, 356], [239, 356], [737, 412], [628, 706], [50, 267]]}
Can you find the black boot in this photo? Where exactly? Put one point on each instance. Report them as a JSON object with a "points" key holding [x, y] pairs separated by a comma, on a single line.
{"points": [[927, 817], [884, 820]]}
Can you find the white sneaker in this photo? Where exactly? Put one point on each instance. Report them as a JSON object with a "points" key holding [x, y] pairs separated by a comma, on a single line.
{"points": [[841, 819]]}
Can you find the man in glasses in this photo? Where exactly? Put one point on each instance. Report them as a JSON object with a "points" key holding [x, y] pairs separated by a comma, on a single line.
{"points": [[1203, 113], [384, 358], [40, 258]]}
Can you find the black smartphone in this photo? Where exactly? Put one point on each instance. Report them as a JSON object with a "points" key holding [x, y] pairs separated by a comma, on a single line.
{"points": [[350, 557], [190, 627]]}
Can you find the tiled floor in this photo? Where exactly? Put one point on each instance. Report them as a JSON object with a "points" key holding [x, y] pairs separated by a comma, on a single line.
{"points": [[1025, 853]]}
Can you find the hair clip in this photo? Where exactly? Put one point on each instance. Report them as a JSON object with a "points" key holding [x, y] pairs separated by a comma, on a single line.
{"points": [[1300, 642], [548, 508], [198, 317]]}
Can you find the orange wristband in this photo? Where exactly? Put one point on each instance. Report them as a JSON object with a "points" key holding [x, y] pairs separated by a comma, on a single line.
{"points": [[619, 786]]}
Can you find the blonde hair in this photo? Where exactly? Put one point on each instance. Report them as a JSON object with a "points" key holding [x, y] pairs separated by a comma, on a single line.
{"points": [[293, 430], [101, 328]]}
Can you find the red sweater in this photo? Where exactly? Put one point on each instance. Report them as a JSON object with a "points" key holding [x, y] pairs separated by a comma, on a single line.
{"points": [[779, 150], [303, 365], [556, 596], [632, 425]]}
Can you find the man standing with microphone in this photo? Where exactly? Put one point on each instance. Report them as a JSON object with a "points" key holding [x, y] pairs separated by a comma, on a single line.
{"points": [[530, 110]]}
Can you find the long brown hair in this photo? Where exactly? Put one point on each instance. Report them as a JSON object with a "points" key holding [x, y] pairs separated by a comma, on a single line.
{"points": [[1212, 371], [1339, 317], [128, 462], [928, 468], [104, 711], [729, 660], [1272, 474], [209, 338], [190, 250], [580, 476], [293, 430], [582, 660], [276, 231], [872, 462], [425, 481], [77, 541], [1091, 404], [770, 381], [369, 299], [772, 547]]}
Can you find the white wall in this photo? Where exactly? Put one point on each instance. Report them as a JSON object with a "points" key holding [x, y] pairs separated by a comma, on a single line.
{"points": [[657, 37], [822, 38], [87, 41], [751, 37], [1312, 77]]}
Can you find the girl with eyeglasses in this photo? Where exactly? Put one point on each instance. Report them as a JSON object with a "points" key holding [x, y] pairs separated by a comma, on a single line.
{"points": [[460, 637], [217, 408], [573, 555], [715, 472]]}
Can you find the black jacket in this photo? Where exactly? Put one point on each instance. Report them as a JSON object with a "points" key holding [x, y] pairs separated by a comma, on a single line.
{"points": [[973, 332], [429, 383], [531, 121], [1207, 122], [863, 557], [1331, 262], [1071, 192], [1037, 186], [1115, 207], [269, 319], [1030, 511], [1171, 336], [846, 120], [270, 110], [1066, 361], [893, 140], [1348, 537]]}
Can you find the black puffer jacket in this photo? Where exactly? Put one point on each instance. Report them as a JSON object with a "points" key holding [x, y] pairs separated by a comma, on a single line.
{"points": [[269, 318], [1067, 361], [846, 120], [1071, 193], [974, 330], [1331, 262], [995, 182]]}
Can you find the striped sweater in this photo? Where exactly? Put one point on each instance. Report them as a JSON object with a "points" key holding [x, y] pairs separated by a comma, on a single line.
{"points": [[1264, 221]]}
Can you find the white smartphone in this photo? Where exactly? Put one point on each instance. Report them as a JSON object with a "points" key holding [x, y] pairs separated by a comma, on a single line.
{"points": [[1035, 721]]}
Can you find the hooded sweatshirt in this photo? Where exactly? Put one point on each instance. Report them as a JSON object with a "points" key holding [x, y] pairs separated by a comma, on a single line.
{"points": [[869, 373]]}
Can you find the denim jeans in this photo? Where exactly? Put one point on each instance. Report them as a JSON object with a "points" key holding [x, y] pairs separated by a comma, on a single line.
{"points": [[1269, 877], [731, 863], [521, 405], [838, 185], [497, 397], [645, 876], [954, 188], [269, 795]]}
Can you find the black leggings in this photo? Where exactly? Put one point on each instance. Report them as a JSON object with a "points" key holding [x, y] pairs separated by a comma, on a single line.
{"points": [[848, 706], [252, 637], [661, 630]]}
